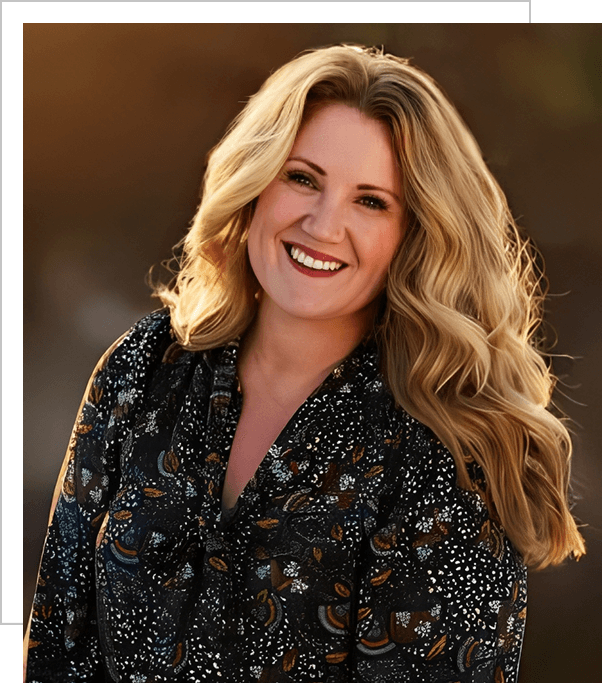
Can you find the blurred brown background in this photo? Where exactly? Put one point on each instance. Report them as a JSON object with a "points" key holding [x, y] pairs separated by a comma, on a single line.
{"points": [[118, 121]]}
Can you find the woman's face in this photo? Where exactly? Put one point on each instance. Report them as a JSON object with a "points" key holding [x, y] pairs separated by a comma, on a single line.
{"points": [[325, 229]]}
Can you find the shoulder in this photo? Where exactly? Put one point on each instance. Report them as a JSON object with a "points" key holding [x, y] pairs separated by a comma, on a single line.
{"points": [[145, 340], [417, 466], [144, 343], [127, 363], [423, 493]]}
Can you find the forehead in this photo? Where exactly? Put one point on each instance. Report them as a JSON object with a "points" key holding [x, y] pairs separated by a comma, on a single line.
{"points": [[340, 138]]}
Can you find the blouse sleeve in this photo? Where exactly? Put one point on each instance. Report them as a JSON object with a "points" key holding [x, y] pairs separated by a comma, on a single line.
{"points": [[441, 591], [63, 638]]}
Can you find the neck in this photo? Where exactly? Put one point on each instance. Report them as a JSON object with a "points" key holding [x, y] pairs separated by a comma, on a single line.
{"points": [[298, 350]]}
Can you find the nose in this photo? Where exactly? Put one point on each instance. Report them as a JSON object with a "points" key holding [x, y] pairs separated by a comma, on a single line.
{"points": [[327, 220]]}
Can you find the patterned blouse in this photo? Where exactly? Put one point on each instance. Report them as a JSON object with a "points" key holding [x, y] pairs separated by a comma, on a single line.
{"points": [[350, 556]]}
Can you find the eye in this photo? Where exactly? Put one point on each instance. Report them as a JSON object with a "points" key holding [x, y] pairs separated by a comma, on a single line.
{"points": [[297, 177], [377, 204]]}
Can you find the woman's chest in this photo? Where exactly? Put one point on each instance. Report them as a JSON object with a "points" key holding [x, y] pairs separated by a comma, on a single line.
{"points": [[258, 429]]}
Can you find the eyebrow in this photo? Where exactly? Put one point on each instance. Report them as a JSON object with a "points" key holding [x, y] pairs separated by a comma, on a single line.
{"points": [[322, 172]]}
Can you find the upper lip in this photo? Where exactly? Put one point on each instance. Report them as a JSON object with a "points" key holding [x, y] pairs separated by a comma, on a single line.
{"points": [[316, 254]]}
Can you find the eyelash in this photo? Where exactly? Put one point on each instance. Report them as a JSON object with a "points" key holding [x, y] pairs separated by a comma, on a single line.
{"points": [[378, 204]]}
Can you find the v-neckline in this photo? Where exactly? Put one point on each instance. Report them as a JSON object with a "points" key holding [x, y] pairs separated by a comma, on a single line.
{"points": [[231, 360], [229, 511]]}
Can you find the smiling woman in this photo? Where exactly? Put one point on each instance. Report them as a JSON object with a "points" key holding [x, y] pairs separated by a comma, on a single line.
{"points": [[330, 456]]}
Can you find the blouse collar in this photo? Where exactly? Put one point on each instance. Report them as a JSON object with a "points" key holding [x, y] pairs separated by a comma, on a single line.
{"points": [[359, 367]]}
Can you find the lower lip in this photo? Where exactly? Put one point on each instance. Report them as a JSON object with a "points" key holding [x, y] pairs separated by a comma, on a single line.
{"points": [[310, 272]]}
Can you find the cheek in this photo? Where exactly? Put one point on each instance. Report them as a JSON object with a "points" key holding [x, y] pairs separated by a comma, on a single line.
{"points": [[277, 207], [379, 253], [254, 243], [272, 215], [284, 211]]}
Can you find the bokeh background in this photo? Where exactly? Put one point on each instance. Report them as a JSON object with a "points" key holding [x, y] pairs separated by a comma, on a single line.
{"points": [[118, 122]]}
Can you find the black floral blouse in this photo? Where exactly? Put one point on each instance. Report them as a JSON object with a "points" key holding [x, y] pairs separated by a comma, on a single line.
{"points": [[351, 555]]}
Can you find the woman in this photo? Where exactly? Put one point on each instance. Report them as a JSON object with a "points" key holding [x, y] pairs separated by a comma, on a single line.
{"points": [[254, 489]]}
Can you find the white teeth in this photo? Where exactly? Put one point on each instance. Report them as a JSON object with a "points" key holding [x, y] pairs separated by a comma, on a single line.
{"points": [[306, 260]]}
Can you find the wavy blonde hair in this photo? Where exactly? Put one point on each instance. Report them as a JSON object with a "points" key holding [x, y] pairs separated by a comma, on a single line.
{"points": [[463, 296]]}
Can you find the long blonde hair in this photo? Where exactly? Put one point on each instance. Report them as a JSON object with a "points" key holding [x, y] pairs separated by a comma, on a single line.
{"points": [[463, 296]]}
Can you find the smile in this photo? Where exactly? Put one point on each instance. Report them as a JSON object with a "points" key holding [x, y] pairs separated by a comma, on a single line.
{"points": [[311, 262]]}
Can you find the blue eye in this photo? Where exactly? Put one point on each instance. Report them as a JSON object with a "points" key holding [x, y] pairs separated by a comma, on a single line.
{"points": [[378, 204]]}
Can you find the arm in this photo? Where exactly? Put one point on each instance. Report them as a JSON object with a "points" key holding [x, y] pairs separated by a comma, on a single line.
{"points": [[62, 641], [441, 592]]}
